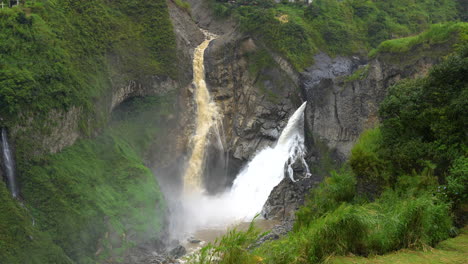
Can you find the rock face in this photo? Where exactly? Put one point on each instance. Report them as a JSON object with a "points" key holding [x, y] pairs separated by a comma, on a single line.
{"points": [[288, 196], [255, 107], [344, 94]]}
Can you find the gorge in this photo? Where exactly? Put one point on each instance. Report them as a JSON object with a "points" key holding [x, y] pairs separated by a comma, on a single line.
{"points": [[129, 126]]}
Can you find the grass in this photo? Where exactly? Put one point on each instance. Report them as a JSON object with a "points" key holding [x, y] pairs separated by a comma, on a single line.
{"points": [[358, 74], [56, 56], [436, 34], [183, 5], [453, 250], [20, 241], [297, 31], [349, 226], [95, 196]]}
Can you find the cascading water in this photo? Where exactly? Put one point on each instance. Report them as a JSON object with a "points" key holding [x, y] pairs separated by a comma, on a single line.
{"points": [[254, 183], [9, 164], [207, 119]]}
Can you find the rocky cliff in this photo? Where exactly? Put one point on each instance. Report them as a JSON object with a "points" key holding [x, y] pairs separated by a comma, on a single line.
{"points": [[256, 103], [344, 94]]}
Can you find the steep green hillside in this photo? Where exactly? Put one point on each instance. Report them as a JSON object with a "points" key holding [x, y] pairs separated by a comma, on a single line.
{"points": [[53, 54], [95, 199], [298, 31]]}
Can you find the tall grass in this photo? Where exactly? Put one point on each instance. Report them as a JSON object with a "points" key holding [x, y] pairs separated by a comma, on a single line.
{"points": [[334, 222], [231, 248], [388, 224]]}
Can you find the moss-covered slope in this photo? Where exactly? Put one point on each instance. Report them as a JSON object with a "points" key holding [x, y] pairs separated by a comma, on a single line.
{"points": [[95, 199]]}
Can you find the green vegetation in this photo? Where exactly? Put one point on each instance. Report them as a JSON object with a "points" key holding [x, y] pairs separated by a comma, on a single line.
{"points": [[417, 159], [54, 54], [298, 31], [231, 248], [20, 241], [182, 4], [453, 250], [96, 194], [258, 61], [57, 56], [436, 34], [359, 74]]}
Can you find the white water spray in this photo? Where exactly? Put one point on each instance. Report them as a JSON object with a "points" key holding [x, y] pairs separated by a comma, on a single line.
{"points": [[254, 183], [9, 164]]}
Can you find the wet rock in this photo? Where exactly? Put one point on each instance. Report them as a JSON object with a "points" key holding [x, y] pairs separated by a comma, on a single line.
{"points": [[193, 240], [286, 198], [255, 106], [275, 233], [178, 251]]}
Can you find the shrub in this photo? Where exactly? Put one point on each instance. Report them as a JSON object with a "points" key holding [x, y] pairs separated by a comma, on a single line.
{"points": [[330, 194], [232, 248]]}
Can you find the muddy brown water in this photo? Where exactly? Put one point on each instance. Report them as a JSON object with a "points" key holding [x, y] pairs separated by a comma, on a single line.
{"points": [[210, 235]]}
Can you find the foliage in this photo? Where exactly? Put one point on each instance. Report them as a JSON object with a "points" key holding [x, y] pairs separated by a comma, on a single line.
{"points": [[452, 250], [457, 181], [231, 248], [385, 225], [95, 196], [339, 188], [54, 56], [359, 74], [298, 31], [183, 5], [424, 120], [436, 34], [365, 159], [258, 61], [20, 241]]}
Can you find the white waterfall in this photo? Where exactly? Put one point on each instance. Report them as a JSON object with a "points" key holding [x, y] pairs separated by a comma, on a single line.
{"points": [[9, 164], [253, 184]]}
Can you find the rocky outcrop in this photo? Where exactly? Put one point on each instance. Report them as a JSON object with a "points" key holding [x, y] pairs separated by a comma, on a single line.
{"points": [[288, 196], [344, 93], [256, 106]]}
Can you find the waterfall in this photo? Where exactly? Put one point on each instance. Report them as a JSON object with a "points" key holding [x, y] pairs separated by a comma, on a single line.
{"points": [[9, 164], [253, 184], [196, 209], [207, 119]]}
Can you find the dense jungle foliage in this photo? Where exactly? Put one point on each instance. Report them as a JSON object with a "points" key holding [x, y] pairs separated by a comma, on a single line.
{"points": [[54, 54], [98, 194], [417, 160], [298, 31]]}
